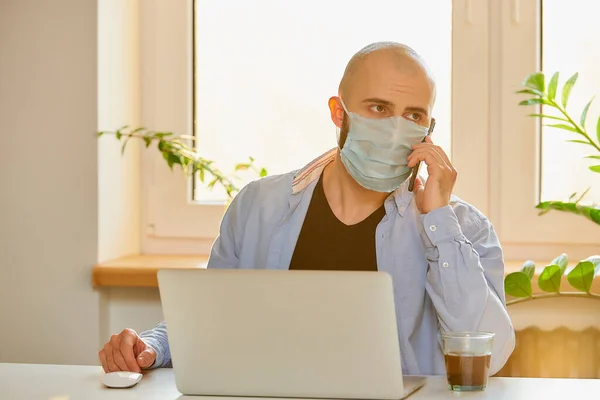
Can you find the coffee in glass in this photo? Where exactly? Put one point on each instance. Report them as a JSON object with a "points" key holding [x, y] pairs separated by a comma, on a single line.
{"points": [[468, 356]]}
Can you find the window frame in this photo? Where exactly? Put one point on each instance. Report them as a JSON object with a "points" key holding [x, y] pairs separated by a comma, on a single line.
{"points": [[494, 46], [516, 52]]}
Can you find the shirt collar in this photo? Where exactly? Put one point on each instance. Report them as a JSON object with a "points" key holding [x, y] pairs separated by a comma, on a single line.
{"points": [[313, 170]]}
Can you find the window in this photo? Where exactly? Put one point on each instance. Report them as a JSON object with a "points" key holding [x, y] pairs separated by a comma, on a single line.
{"points": [[571, 43], [262, 81], [265, 69], [524, 167]]}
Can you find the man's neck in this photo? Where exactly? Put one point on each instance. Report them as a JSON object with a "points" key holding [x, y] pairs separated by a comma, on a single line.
{"points": [[350, 202]]}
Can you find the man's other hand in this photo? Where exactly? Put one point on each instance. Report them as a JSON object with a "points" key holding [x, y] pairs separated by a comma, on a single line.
{"points": [[126, 352]]}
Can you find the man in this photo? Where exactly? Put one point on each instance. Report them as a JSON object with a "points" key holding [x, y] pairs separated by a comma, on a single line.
{"points": [[350, 209]]}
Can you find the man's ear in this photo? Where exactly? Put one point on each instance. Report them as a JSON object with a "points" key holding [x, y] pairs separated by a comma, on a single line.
{"points": [[336, 110]]}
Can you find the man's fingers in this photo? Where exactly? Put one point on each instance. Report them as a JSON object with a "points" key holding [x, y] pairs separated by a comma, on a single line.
{"points": [[115, 344], [103, 361], [139, 346], [145, 355], [128, 340], [119, 360], [438, 149], [429, 155], [443, 154], [146, 358], [108, 352], [419, 185]]}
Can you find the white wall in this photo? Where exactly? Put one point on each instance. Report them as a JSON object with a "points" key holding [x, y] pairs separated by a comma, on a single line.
{"points": [[119, 211], [48, 181], [135, 308]]}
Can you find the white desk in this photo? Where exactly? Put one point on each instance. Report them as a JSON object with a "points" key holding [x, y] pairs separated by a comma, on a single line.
{"points": [[66, 382]]}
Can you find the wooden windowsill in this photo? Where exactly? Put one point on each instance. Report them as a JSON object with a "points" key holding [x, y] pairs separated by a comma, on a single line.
{"points": [[140, 271]]}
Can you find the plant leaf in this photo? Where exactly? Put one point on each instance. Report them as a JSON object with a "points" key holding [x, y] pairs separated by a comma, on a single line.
{"points": [[549, 280], [562, 261], [582, 195], [118, 134], [125, 144], [593, 157], [533, 92], [148, 141], [263, 172], [589, 212], [528, 269], [173, 159], [581, 276], [534, 101], [100, 134], [242, 167], [584, 113], [201, 175], [578, 141], [598, 129], [565, 127], [213, 183], [595, 168], [552, 86], [518, 284], [535, 81], [566, 90], [549, 117]]}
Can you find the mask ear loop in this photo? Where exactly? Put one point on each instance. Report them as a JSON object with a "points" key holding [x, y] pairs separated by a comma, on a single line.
{"points": [[344, 106]]}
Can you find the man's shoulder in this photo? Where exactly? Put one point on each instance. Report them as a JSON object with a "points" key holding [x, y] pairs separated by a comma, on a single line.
{"points": [[272, 188]]}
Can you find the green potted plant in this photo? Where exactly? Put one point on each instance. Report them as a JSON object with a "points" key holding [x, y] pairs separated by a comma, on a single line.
{"points": [[177, 150], [519, 284]]}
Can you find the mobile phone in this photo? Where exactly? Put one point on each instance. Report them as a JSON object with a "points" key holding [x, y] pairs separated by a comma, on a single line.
{"points": [[415, 170]]}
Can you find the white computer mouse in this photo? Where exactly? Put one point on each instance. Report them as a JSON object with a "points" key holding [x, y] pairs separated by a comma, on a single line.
{"points": [[121, 379]]}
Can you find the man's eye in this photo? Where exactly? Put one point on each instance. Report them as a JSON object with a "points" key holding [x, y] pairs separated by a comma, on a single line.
{"points": [[378, 108], [414, 117]]}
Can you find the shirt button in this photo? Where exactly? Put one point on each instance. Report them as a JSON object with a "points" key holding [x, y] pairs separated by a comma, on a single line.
{"points": [[445, 264], [432, 228], [401, 208]]}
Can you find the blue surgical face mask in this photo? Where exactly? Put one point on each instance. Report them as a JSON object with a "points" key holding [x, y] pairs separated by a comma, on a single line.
{"points": [[376, 150]]}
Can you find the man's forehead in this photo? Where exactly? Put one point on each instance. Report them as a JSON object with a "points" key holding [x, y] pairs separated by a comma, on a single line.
{"points": [[395, 92], [390, 77]]}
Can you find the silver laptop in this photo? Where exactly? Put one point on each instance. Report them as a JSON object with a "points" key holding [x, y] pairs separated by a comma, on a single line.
{"points": [[301, 334]]}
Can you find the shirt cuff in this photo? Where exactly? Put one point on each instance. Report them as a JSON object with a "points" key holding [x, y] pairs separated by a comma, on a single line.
{"points": [[441, 225]]}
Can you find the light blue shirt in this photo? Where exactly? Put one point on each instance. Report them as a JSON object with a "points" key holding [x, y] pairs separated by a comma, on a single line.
{"points": [[446, 266]]}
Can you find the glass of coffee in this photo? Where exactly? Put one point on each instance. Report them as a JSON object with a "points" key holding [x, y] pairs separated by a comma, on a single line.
{"points": [[467, 357]]}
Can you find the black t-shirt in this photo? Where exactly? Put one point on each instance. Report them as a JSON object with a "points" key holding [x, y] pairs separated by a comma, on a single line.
{"points": [[326, 243]]}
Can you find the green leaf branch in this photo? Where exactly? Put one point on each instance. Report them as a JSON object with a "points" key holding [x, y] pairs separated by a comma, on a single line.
{"points": [[547, 96], [178, 150], [519, 284]]}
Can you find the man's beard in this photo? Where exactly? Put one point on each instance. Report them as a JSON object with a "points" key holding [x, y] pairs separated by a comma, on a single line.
{"points": [[344, 131]]}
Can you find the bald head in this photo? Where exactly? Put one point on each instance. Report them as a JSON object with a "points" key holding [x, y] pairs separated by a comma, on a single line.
{"points": [[403, 57], [382, 80]]}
